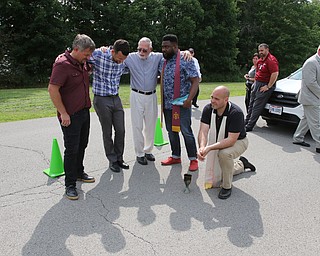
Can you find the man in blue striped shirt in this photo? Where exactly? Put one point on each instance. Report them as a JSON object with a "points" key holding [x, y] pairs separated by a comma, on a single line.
{"points": [[108, 68]]}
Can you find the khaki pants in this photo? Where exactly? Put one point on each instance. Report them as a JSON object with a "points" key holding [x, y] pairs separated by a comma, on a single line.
{"points": [[228, 165]]}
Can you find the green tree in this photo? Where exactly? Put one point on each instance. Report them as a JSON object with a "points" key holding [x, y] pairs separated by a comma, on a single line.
{"points": [[290, 27], [217, 39], [35, 32]]}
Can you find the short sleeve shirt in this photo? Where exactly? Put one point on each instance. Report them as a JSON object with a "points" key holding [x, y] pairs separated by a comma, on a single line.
{"points": [[266, 67], [234, 123], [187, 70], [73, 79]]}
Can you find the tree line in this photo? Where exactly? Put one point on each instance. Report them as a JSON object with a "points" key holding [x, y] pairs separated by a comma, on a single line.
{"points": [[224, 33]]}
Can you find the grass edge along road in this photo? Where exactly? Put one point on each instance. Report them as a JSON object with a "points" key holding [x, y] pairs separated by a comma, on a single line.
{"points": [[30, 103]]}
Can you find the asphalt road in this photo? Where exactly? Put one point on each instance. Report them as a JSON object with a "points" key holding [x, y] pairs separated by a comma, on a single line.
{"points": [[143, 210]]}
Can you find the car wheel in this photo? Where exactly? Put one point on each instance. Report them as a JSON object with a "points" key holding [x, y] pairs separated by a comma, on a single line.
{"points": [[271, 122]]}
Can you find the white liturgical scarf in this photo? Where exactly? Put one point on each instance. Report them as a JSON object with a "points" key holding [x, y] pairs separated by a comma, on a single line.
{"points": [[213, 173]]}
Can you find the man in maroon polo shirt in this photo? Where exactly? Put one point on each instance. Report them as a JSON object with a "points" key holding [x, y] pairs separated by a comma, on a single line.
{"points": [[265, 82], [69, 92]]}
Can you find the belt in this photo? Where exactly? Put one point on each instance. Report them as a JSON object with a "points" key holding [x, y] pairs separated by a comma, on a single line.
{"points": [[142, 92], [116, 95]]}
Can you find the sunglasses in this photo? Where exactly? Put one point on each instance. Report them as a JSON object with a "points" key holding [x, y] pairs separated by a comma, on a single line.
{"points": [[142, 50]]}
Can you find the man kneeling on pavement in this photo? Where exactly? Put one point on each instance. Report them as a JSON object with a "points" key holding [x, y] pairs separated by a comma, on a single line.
{"points": [[225, 143]]}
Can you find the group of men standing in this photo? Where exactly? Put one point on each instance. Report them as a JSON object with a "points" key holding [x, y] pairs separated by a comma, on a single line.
{"points": [[222, 136]]}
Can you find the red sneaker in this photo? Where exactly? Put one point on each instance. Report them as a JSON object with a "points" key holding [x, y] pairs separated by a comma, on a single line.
{"points": [[193, 165], [170, 160]]}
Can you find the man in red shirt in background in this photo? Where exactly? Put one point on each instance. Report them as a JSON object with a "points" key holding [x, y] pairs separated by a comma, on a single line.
{"points": [[265, 82]]}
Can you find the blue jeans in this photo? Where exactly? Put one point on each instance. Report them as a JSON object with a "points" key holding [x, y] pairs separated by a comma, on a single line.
{"points": [[187, 133], [75, 137]]}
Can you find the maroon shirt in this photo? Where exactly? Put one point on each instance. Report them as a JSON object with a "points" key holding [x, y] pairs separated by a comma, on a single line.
{"points": [[266, 67], [73, 79]]}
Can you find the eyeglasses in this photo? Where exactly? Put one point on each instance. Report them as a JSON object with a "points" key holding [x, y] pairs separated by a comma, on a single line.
{"points": [[142, 50]]}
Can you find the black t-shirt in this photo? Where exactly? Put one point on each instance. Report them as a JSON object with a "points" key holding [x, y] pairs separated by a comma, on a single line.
{"points": [[235, 120]]}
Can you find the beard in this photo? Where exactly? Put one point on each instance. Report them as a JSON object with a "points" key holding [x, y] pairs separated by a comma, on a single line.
{"points": [[168, 55]]}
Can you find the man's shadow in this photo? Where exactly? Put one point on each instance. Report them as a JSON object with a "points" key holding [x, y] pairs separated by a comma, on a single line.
{"points": [[144, 192], [240, 213], [94, 214], [186, 206]]}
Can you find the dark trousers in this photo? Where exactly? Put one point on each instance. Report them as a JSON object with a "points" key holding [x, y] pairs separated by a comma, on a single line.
{"points": [[75, 137], [111, 114], [187, 133], [247, 97], [195, 98], [257, 102]]}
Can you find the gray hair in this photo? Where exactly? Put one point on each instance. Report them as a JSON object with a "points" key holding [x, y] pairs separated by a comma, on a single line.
{"points": [[146, 40], [82, 42], [264, 45]]}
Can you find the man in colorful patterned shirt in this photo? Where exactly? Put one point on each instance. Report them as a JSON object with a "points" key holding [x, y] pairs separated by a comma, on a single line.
{"points": [[108, 68], [179, 79]]}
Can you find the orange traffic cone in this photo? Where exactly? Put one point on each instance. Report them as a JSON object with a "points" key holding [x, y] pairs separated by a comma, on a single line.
{"points": [[56, 164], [158, 138]]}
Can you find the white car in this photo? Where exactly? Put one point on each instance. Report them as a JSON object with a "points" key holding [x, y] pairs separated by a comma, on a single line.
{"points": [[283, 104]]}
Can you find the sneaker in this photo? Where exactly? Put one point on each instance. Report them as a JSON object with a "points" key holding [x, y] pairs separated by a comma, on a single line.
{"points": [[193, 165], [86, 178], [247, 164], [170, 160], [71, 192]]}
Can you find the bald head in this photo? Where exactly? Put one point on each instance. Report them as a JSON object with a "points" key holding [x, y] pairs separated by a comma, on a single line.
{"points": [[222, 90], [219, 98]]}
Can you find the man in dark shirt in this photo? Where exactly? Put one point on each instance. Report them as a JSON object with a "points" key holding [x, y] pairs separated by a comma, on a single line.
{"points": [[227, 141], [69, 92]]}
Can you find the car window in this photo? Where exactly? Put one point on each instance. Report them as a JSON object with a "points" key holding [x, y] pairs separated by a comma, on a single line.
{"points": [[296, 75]]}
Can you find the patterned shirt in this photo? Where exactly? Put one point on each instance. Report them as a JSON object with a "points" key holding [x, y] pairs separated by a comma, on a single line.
{"points": [[106, 73], [187, 70]]}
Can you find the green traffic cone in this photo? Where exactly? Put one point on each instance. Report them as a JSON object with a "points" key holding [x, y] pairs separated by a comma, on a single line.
{"points": [[158, 138], [56, 164]]}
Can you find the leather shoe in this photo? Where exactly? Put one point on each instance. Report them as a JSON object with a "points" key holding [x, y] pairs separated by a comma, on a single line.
{"points": [[71, 192], [318, 150], [150, 157], [142, 160], [123, 165], [302, 143], [115, 167], [86, 178], [248, 129], [224, 193], [195, 105], [247, 164]]}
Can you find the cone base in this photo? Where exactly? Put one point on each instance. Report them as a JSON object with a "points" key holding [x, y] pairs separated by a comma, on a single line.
{"points": [[161, 143], [53, 175]]}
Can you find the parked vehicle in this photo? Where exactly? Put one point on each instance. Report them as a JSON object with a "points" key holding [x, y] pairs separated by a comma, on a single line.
{"points": [[283, 104]]}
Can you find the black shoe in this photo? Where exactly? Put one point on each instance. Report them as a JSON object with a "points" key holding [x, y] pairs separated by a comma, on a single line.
{"points": [[303, 144], [71, 192], [318, 150], [115, 167], [150, 157], [248, 129], [142, 160], [195, 105], [123, 165], [247, 164], [86, 178], [224, 193]]}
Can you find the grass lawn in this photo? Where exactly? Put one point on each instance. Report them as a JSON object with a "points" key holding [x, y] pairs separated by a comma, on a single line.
{"points": [[22, 104]]}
